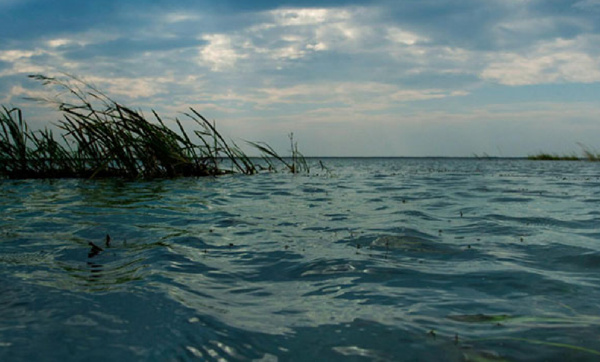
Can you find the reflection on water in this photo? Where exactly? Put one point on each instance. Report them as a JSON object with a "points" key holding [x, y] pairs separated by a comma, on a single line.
{"points": [[378, 259]]}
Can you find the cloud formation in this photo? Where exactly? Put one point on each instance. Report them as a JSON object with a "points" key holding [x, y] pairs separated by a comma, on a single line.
{"points": [[267, 66]]}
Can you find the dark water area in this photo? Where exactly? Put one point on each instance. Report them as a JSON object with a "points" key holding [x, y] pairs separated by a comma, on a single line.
{"points": [[372, 260]]}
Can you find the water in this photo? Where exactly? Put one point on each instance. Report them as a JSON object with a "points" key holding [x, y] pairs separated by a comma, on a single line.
{"points": [[377, 259]]}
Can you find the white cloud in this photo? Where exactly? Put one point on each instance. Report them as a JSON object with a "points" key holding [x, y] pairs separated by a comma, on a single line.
{"points": [[17, 55], [306, 31], [550, 62], [19, 91], [177, 17], [304, 17], [286, 34], [331, 95], [21, 63], [219, 54], [81, 41], [345, 36], [132, 87], [317, 47], [397, 35], [408, 95], [290, 52]]}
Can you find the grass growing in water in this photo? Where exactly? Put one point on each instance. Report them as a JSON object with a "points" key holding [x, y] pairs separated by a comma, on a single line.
{"points": [[103, 138], [553, 157], [587, 154]]}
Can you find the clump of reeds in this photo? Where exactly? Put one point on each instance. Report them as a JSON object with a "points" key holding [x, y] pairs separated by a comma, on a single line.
{"points": [[103, 138], [553, 157], [587, 154], [294, 164]]}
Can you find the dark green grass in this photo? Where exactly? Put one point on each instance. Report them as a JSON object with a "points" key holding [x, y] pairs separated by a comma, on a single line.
{"points": [[102, 138]]}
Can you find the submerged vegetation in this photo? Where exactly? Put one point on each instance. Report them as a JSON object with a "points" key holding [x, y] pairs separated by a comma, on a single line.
{"points": [[103, 138]]}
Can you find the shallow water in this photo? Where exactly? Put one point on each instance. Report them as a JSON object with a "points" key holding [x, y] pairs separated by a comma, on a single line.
{"points": [[375, 259]]}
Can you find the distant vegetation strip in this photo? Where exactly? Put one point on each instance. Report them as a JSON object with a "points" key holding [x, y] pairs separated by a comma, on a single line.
{"points": [[103, 138], [553, 157], [587, 155]]}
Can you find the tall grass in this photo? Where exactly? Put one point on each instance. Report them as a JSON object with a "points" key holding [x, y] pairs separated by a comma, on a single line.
{"points": [[294, 164], [587, 154], [103, 138], [553, 157]]}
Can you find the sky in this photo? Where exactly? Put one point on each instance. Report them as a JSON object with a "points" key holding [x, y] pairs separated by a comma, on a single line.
{"points": [[348, 78]]}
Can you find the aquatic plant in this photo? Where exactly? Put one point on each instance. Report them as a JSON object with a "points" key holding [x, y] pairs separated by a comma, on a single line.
{"points": [[295, 164], [587, 154], [104, 138], [553, 157]]}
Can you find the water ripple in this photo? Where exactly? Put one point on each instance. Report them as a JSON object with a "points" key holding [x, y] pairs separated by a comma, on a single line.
{"points": [[378, 259]]}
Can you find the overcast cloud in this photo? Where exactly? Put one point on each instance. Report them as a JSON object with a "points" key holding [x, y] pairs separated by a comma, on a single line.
{"points": [[388, 78]]}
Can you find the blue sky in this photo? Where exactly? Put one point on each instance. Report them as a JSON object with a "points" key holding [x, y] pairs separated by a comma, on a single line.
{"points": [[349, 78]]}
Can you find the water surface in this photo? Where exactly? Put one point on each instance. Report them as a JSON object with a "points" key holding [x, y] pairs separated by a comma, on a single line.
{"points": [[373, 259]]}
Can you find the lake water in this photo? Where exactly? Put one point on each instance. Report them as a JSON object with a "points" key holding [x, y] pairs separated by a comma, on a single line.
{"points": [[372, 260]]}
